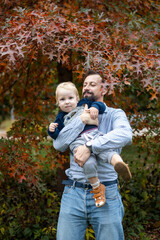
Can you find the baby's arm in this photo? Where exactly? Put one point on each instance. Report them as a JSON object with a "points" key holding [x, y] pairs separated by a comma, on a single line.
{"points": [[96, 108], [53, 126], [56, 126], [93, 112], [53, 130]]}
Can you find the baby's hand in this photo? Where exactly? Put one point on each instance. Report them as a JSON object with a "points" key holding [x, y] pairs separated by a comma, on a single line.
{"points": [[53, 126], [93, 112]]}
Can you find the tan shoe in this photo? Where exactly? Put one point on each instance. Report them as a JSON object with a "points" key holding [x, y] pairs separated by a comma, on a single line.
{"points": [[99, 195], [123, 170]]}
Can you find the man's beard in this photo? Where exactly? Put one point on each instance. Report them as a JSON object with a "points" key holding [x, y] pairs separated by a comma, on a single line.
{"points": [[91, 97]]}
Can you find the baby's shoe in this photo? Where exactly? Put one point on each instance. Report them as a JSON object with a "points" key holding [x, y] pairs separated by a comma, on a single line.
{"points": [[123, 170], [99, 195]]}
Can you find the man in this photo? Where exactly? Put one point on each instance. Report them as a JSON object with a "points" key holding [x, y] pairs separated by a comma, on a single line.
{"points": [[77, 206]]}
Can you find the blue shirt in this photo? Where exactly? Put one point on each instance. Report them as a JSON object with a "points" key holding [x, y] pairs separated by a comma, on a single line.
{"points": [[117, 134]]}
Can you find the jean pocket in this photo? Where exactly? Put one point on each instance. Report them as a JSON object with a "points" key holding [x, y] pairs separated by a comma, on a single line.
{"points": [[112, 192], [67, 189]]}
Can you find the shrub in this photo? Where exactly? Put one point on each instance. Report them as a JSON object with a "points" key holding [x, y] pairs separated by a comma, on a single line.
{"points": [[141, 195], [28, 212]]}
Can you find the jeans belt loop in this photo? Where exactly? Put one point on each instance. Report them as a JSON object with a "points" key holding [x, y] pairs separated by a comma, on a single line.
{"points": [[73, 186], [86, 186]]}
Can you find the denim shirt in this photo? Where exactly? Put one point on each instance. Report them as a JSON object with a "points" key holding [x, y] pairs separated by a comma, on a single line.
{"points": [[117, 133]]}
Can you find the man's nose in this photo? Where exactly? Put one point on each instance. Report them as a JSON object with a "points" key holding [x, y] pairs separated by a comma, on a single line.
{"points": [[86, 87]]}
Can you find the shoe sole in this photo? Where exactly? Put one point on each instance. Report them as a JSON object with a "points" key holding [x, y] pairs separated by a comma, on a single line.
{"points": [[100, 205], [123, 170]]}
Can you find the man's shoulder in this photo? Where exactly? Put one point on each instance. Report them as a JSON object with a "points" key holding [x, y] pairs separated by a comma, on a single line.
{"points": [[114, 113], [112, 110]]}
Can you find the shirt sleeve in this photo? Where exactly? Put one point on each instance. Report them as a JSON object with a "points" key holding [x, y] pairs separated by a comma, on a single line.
{"points": [[68, 134], [119, 136], [109, 155], [54, 134], [100, 106], [60, 121], [84, 101]]}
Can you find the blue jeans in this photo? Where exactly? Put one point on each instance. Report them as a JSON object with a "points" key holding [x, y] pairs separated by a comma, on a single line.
{"points": [[78, 210]]}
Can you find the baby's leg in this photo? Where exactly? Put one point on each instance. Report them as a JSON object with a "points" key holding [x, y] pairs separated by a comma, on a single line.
{"points": [[117, 162], [90, 167], [90, 170], [121, 167]]}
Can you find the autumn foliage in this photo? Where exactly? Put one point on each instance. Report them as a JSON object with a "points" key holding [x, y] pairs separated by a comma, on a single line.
{"points": [[120, 39]]}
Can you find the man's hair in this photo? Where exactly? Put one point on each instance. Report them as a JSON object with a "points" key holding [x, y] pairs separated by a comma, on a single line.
{"points": [[92, 72], [67, 86]]}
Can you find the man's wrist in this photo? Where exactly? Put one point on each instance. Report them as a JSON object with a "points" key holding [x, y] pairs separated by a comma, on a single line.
{"points": [[89, 146]]}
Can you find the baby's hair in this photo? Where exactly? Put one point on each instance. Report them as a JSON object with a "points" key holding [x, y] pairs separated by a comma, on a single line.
{"points": [[67, 86]]}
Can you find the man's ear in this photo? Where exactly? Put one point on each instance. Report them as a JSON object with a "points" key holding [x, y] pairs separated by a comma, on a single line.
{"points": [[103, 88], [104, 91]]}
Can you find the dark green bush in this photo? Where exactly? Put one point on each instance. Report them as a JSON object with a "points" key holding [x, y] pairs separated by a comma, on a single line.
{"points": [[141, 196], [28, 212]]}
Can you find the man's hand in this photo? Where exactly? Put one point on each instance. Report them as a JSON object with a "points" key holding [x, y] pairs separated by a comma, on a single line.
{"points": [[82, 153], [53, 126]]}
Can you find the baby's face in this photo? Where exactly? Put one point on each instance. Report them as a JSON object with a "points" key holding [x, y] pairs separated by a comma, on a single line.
{"points": [[67, 100]]}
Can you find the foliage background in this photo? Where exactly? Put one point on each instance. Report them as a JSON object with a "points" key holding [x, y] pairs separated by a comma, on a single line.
{"points": [[43, 43]]}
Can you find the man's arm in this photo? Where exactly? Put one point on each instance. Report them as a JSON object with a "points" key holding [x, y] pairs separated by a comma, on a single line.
{"points": [[119, 136], [72, 130]]}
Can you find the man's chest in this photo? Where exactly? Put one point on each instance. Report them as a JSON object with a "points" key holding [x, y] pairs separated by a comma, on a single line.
{"points": [[105, 123]]}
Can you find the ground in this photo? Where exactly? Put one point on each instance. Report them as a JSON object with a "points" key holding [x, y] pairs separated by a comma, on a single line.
{"points": [[2, 133]]}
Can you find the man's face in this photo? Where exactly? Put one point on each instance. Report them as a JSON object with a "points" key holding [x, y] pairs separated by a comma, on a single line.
{"points": [[93, 88]]}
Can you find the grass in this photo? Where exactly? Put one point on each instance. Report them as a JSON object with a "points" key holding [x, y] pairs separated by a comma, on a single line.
{"points": [[6, 124]]}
